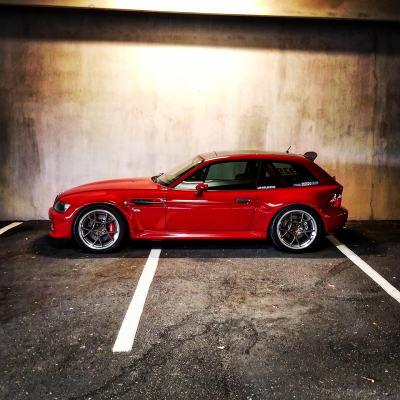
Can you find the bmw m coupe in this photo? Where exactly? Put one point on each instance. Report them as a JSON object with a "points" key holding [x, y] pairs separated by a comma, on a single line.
{"points": [[218, 195]]}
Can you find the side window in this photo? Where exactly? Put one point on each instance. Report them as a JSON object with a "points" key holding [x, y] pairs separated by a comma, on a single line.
{"points": [[192, 181], [276, 174], [198, 176], [228, 175], [232, 175], [226, 170]]}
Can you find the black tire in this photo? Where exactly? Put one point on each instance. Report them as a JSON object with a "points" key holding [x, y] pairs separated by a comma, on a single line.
{"points": [[99, 229], [296, 229]]}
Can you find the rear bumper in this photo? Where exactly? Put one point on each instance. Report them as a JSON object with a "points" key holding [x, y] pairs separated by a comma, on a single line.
{"points": [[61, 224], [335, 219]]}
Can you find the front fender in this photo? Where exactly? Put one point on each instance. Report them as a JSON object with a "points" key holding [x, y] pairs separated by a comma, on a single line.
{"points": [[79, 201]]}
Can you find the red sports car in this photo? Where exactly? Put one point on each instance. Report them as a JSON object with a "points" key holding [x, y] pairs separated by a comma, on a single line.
{"points": [[218, 195]]}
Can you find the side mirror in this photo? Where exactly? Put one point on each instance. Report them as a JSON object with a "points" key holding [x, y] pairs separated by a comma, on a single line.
{"points": [[200, 188]]}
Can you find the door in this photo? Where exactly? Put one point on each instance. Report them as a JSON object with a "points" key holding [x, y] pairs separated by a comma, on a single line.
{"points": [[227, 205]]}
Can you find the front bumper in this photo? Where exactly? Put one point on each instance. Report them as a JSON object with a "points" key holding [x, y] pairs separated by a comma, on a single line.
{"points": [[61, 223]]}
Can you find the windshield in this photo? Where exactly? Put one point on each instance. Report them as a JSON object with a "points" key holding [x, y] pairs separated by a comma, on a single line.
{"points": [[175, 173]]}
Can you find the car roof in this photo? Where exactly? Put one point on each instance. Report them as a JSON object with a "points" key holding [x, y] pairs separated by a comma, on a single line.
{"points": [[224, 153]]}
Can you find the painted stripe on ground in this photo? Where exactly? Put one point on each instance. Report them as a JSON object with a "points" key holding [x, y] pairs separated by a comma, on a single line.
{"points": [[6, 228], [127, 332], [382, 282]]}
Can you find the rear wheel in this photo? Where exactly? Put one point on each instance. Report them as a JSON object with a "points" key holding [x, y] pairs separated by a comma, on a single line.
{"points": [[99, 229], [296, 229]]}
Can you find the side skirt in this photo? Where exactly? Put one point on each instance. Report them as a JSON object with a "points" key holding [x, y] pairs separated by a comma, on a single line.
{"points": [[206, 235]]}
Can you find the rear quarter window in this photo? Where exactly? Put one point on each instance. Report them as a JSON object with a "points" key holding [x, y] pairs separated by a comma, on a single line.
{"points": [[274, 174], [295, 175]]}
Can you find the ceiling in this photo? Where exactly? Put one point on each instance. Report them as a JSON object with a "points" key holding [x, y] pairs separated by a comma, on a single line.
{"points": [[378, 10]]}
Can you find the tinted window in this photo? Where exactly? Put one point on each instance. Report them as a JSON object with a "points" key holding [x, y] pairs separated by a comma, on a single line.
{"points": [[229, 175], [276, 174], [227, 171]]}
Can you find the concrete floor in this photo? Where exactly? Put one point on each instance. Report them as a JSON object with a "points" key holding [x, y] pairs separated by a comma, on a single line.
{"points": [[223, 320]]}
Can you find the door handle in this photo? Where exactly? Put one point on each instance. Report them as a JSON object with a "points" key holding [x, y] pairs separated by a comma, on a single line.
{"points": [[243, 200]]}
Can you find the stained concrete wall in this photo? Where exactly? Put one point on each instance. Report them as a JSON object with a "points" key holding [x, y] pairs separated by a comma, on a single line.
{"points": [[88, 95]]}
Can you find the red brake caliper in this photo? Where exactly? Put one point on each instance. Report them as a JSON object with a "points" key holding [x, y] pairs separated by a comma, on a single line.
{"points": [[111, 229]]}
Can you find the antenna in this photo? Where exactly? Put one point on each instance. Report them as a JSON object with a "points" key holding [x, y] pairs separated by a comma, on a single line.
{"points": [[287, 151]]}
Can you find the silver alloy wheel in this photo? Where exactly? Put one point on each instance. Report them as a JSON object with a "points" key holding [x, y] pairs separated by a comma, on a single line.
{"points": [[98, 229], [297, 229]]}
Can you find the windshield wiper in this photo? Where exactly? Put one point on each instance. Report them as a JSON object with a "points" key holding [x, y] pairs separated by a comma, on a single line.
{"points": [[154, 178]]}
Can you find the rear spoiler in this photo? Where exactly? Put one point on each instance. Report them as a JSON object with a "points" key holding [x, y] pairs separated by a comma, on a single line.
{"points": [[310, 155]]}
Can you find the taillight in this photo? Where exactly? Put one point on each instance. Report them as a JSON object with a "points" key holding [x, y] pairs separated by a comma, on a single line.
{"points": [[336, 200]]}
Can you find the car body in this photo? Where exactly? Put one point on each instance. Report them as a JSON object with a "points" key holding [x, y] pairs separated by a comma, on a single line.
{"points": [[218, 195]]}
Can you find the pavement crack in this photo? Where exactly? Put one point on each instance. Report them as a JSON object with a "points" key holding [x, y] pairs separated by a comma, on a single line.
{"points": [[156, 356]]}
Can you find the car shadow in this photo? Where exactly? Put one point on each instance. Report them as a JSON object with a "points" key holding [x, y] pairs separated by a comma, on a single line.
{"points": [[204, 249], [361, 237]]}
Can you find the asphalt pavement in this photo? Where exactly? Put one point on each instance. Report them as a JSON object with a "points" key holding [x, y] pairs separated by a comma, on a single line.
{"points": [[222, 319]]}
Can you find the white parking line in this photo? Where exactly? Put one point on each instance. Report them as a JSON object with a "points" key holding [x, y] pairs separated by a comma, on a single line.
{"points": [[6, 228], [129, 326], [382, 282]]}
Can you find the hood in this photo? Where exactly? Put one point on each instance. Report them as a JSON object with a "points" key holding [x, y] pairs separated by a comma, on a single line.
{"points": [[114, 184]]}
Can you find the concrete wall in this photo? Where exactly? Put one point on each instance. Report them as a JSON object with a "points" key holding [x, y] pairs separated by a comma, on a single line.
{"points": [[88, 95]]}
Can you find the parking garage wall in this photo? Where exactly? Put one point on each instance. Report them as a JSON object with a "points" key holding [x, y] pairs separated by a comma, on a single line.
{"points": [[89, 95]]}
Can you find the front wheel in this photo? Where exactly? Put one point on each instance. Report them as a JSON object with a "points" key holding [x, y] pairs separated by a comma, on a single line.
{"points": [[98, 229], [296, 229]]}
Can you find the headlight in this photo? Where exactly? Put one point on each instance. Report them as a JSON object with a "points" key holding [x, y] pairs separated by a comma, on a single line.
{"points": [[61, 207]]}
